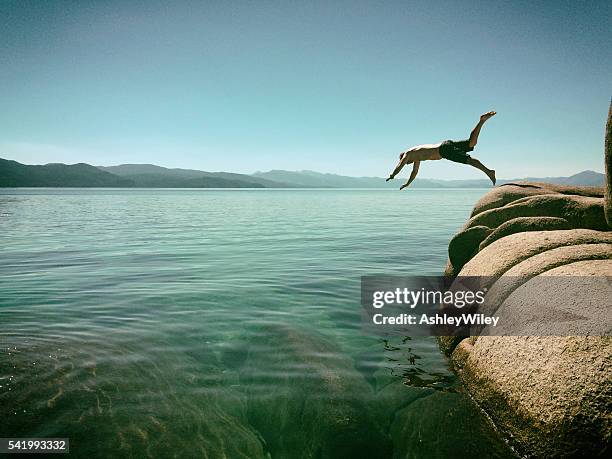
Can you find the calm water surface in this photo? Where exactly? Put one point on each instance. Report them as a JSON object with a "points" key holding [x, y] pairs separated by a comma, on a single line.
{"points": [[224, 323]]}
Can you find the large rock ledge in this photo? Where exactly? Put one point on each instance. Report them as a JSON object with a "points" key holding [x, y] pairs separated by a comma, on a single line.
{"points": [[550, 396]]}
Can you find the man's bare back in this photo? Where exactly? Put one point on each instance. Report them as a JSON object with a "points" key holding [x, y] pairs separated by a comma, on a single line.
{"points": [[453, 151], [425, 152]]}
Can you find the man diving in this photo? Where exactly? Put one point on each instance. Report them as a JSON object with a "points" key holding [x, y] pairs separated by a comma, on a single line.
{"points": [[451, 150]]}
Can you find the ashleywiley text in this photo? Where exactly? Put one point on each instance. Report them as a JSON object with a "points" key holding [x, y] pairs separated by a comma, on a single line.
{"points": [[437, 319]]}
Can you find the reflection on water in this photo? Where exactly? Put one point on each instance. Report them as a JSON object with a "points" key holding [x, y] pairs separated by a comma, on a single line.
{"points": [[202, 323]]}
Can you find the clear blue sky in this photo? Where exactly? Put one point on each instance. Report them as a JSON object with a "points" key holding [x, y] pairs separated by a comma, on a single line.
{"points": [[331, 86]]}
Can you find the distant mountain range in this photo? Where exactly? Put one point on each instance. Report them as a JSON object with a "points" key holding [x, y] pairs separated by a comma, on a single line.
{"points": [[151, 176], [319, 180], [14, 174]]}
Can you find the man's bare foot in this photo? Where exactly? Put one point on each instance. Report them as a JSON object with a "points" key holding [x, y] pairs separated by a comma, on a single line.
{"points": [[491, 175], [487, 115]]}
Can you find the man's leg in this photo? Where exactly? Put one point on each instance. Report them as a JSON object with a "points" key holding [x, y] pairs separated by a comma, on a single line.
{"points": [[478, 165], [476, 131]]}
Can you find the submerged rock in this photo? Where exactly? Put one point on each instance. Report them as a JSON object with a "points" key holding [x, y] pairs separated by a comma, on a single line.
{"points": [[320, 405], [443, 425], [117, 402]]}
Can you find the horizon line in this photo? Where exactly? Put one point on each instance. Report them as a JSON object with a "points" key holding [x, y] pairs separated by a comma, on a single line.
{"points": [[298, 171]]}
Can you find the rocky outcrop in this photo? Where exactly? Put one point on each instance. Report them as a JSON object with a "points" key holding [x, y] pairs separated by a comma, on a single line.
{"points": [[510, 192], [465, 245], [512, 260], [524, 224], [579, 211], [523, 207], [512, 251], [551, 396], [608, 156]]}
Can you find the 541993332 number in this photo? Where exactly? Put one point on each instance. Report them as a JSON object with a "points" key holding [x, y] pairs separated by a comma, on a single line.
{"points": [[34, 445]]}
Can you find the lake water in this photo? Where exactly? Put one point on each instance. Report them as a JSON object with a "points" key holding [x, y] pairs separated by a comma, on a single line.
{"points": [[225, 323]]}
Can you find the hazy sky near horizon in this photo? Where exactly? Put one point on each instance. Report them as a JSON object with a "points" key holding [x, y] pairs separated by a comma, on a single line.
{"points": [[334, 86]]}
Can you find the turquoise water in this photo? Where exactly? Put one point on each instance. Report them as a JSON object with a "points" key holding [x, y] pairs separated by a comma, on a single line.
{"points": [[224, 323]]}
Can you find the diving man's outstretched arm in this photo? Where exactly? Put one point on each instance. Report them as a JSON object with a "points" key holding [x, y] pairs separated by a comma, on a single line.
{"points": [[415, 171], [398, 168]]}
